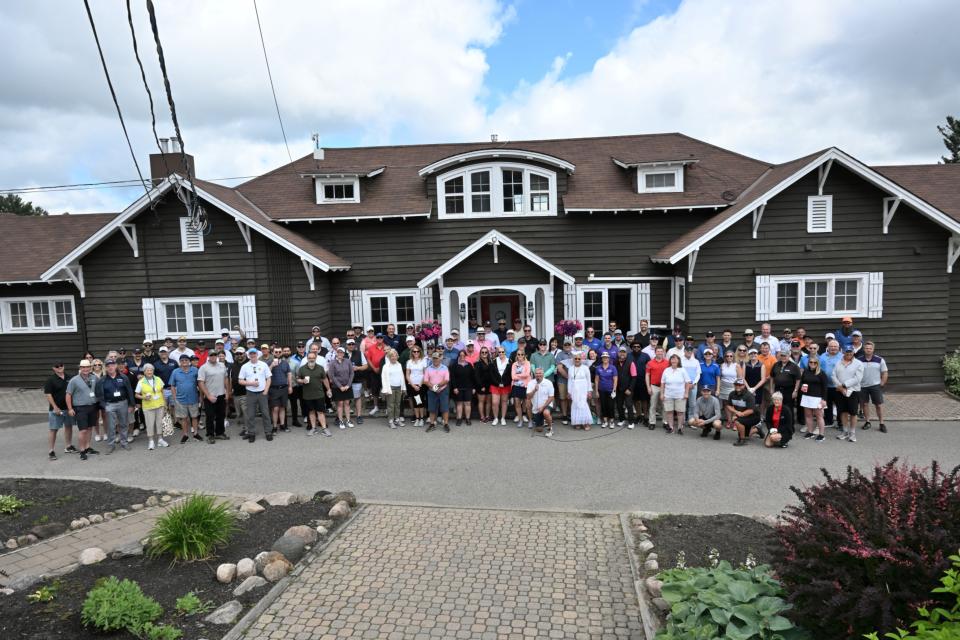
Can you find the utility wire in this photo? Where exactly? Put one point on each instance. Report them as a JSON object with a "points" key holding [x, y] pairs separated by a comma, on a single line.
{"points": [[273, 90], [109, 184], [113, 94], [146, 86]]}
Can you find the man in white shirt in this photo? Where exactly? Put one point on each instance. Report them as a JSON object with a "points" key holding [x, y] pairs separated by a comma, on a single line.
{"points": [[316, 337], [182, 349], [254, 375], [651, 349], [765, 336], [540, 392]]}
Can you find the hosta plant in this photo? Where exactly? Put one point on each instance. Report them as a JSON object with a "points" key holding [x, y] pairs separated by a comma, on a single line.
{"points": [[862, 552], [723, 602]]}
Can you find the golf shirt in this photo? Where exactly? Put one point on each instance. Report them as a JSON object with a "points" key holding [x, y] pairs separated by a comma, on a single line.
{"points": [[164, 369], [82, 392], [278, 374], [57, 388], [542, 391], [214, 376], [436, 375], [709, 373], [313, 390], [254, 371], [872, 369], [186, 384], [656, 368]]}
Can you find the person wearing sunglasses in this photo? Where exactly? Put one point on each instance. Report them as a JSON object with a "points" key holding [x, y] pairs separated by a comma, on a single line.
{"points": [[501, 381], [436, 378], [730, 372], [55, 389], [416, 390], [482, 371]]}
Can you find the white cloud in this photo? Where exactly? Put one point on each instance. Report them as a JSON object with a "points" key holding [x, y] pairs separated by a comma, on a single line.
{"points": [[773, 79]]}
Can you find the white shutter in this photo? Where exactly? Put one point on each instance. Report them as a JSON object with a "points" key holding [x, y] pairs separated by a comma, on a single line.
{"points": [[569, 301], [149, 320], [191, 240], [680, 298], [426, 303], [819, 214], [765, 298], [875, 295], [356, 307], [248, 315], [643, 302]]}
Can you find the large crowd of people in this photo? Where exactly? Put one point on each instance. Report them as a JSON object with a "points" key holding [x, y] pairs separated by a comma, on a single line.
{"points": [[757, 386]]}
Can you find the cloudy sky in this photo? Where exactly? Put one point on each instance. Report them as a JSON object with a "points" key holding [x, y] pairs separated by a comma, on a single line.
{"points": [[770, 79]]}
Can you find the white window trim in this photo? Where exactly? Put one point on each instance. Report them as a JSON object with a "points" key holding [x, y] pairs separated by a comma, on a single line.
{"points": [[869, 296], [677, 171], [496, 191], [6, 324], [829, 203], [320, 183], [184, 230], [636, 311], [391, 295], [680, 298], [160, 318]]}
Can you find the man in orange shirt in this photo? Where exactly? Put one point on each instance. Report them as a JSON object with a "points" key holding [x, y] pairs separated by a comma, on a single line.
{"points": [[375, 353], [766, 357]]}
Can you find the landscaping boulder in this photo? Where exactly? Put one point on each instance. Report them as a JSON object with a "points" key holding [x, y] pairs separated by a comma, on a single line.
{"points": [[11, 543], [661, 604], [277, 569], [340, 510], [291, 547], [281, 499], [322, 531], [246, 568], [249, 584], [264, 558], [6, 591], [79, 523], [92, 555], [346, 496], [225, 614], [302, 531], [26, 539], [319, 495], [326, 524], [226, 572], [120, 512], [109, 515], [152, 501], [651, 566], [241, 516], [23, 583], [645, 546], [165, 499], [48, 530], [654, 586], [136, 507], [95, 518], [250, 507], [128, 550]]}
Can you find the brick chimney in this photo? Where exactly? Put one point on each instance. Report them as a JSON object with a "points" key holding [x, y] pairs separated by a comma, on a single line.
{"points": [[170, 161]]}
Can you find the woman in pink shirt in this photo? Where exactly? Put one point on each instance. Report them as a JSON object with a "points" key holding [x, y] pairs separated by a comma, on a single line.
{"points": [[436, 377], [520, 375]]}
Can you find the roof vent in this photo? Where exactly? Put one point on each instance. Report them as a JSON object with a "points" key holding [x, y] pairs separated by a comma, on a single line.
{"points": [[494, 137]]}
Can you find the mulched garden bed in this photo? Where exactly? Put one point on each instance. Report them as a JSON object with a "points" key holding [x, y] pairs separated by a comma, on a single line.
{"points": [[733, 536], [61, 501], [165, 582]]}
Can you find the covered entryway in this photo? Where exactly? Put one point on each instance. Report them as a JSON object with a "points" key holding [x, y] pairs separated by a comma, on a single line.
{"points": [[496, 277]]}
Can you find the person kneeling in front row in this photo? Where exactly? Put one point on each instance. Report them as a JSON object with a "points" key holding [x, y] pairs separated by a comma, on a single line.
{"points": [[779, 418], [541, 394], [742, 413], [707, 414]]}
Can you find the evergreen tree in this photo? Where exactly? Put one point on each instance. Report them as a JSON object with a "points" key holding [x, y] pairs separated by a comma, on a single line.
{"points": [[951, 140], [12, 203]]}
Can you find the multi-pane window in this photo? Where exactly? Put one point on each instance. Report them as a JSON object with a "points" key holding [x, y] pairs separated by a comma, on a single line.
{"points": [[338, 191], [202, 317], [176, 314], [815, 296], [330, 191], [453, 195], [593, 310], [198, 318], [229, 314], [512, 191], [389, 307], [845, 295], [787, 297], [660, 180], [29, 315], [539, 192], [379, 313], [479, 192]]}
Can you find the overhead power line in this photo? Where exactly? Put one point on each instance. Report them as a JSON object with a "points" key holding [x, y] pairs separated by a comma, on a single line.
{"points": [[113, 95], [146, 86], [107, 184], [273, 90]]}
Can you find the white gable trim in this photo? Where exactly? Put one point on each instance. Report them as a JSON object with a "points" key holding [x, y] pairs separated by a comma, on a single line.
{"points": [[848, 161], [143, 201], [516, 154], [494, 237]]}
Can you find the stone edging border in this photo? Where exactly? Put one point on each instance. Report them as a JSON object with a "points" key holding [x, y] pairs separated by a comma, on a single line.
{"points": [[240, 628], [649, 619]]}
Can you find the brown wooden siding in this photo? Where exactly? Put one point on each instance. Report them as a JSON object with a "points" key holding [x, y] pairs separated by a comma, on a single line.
{"points": [[480, 269], [27, 357], [912, 258], [953, 320]]}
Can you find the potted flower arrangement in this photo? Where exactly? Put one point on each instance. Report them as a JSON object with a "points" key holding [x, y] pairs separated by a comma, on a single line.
{"points": [[568, 328], [429, 332]]}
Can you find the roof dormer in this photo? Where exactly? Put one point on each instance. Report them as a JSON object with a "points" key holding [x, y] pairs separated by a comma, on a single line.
{"points": [[340, 186], [658, 177]]}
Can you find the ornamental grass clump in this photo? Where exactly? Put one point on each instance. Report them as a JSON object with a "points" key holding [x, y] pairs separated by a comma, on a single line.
{"points": [[862, 553], [193, 529]]}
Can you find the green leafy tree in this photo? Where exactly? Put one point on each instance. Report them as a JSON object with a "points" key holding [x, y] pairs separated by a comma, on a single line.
{"points": [[951, 140], [12, 203]]}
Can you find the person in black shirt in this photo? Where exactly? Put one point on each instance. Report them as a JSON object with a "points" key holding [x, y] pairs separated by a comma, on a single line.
{"points": [[786, 377], [742, 413], [55, 389], [463, 381]]}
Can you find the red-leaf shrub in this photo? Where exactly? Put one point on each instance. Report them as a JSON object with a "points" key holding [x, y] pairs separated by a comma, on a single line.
{"points": [[862, 553]]}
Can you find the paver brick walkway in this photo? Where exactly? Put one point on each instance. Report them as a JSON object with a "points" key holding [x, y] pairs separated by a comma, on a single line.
{"points": [[414, 572]]}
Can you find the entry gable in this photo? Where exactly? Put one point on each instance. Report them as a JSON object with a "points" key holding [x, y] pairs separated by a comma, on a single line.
{"points": [[495, 239]]}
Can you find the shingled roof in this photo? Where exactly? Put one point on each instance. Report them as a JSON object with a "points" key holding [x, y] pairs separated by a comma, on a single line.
{"points": [[938, 184], [598, 183], [35, 243]]}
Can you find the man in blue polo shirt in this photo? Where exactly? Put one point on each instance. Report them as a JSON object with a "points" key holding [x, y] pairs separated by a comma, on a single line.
{"points": [[186, 398], [591, 341]]}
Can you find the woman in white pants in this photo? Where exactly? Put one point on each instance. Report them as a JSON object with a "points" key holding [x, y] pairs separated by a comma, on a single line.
{"points": [[150, 392]]}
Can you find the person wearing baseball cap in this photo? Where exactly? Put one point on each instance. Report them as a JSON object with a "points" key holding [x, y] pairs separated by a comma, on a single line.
{"points": [[58, 417], [510, 344], [186, 395], [848, 379], [255, 377], [182, 349], [844, 335], [315, 336], [83, 405], [742, 413]]}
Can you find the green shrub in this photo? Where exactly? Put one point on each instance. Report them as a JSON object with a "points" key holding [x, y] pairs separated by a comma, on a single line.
{"points": [[114, 604], [189, 604], [937, 623], [951, 372], [723, 602], [193, 529], [150, 631], [10, 504], [46, 593]]}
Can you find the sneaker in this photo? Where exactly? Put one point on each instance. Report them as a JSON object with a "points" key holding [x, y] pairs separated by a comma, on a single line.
{"points": [[297, 424], [866, 425], [111, 449], [431, 427], [620, 423], [852, 438], [516, 420], [125, 446], [311, 432], [197, 436], [704, 432], [883, 428], [83, 455], [70, 449], [285, 429], [52, 455], [326, 432], [269, 437], [459, 422], [716, 435], [392, 423], [741, 443], [548, 433], [211, 440], [819, 439], [808, 435], [223, 436], [373, 411], [96, 438], [91, 451], [135, 433], [341, 425], [359, 420], [468, 422], [565, 421], [252, 438], [243, 434], [630, 425], [668, 429], [843, 436], [150, 446], [519, 424], [162, 443], [184, 439], [803, 429], [350, 424]]}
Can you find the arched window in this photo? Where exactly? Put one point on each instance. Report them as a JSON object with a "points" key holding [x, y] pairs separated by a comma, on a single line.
{"points": [[497, 190]]}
